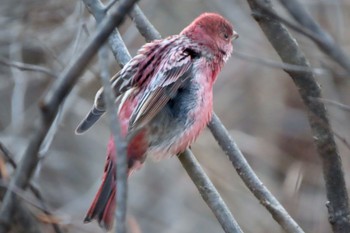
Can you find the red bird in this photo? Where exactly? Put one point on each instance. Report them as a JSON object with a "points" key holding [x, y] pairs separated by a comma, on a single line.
{"points": [[166, 99]]}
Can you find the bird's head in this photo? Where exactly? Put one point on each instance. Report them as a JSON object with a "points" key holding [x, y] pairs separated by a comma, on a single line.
{"points": [[214, 32]]}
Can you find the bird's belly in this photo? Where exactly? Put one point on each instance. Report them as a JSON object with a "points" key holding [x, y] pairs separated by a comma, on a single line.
{"points": [[179, 123]]}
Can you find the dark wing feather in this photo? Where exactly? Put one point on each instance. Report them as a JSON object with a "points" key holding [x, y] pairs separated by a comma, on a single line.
{"points": [[120, 84], [161, 89]]}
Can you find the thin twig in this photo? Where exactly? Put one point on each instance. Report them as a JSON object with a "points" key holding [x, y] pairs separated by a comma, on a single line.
{"points": [[49, 107], [289, 51], [146, 29], [9, 158], [334, 103], [278, 65], [208, 192], [250, 178], [27, 67], [325, 41]]}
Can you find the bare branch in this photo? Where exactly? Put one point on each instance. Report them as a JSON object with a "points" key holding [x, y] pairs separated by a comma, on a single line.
{"points": [[278, 65], [289, 51], [326, 43], [310, 29], [49, 106], [208, 192], [333, 103], [250, 178], [27, 67], [119, 141], [23, 220], [146, 29]]}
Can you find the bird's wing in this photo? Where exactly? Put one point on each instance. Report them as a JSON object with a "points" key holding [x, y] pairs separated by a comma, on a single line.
{"points": [[120, 82], [172, 73], [157, 68]]}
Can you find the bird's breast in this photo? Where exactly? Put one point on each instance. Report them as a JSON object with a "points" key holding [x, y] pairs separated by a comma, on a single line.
{"points": [[179, 123]]}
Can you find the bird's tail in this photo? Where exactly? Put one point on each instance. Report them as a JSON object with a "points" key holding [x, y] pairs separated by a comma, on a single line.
{"points": [[103, 207]]}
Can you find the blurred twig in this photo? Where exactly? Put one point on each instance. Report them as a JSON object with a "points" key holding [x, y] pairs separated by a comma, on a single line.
{"points": [[278, 65], [289, 51], [308, 28], [49, 107], [334, 103], [146, 29], [325, 41], [23, 220], [208, 192], [9, 158], [250, 178], [27, 67]]}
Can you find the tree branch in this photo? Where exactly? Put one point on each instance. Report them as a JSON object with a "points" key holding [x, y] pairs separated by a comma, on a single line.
{"points": [[325, 41], [9, 158], [250, 178], [289, 51], [49, 106], [27, 67], [208, 192]]}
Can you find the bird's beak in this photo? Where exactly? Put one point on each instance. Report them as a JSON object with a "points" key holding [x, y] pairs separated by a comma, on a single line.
{"points": [[235, 35]]}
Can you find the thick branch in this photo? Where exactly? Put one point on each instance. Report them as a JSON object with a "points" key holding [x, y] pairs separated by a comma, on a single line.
{"points": [[50, 104], [208, 192], [289, 51]]}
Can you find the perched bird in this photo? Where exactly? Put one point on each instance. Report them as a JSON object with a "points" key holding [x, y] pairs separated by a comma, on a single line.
{"points": [[165, 96]]}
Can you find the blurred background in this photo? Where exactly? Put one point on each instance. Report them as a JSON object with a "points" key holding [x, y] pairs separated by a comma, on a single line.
{"points": [[258, 104]]}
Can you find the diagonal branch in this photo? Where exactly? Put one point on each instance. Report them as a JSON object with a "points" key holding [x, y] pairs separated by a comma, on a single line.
{"points": [[208, 192], [49, 107], [289, 51], [250, 179]]}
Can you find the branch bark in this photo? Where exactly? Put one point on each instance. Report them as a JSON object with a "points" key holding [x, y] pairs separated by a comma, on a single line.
{"points": [[49, 107], [250, 178], [289, 52], [208, 192]]}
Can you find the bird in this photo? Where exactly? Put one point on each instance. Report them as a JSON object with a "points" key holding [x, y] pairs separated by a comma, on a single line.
{"points": [[165, 96]]}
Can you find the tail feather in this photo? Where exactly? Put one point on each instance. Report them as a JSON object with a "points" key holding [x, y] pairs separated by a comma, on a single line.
{"points": [[104, 204]]}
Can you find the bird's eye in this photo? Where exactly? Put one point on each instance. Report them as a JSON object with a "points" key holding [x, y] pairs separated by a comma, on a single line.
{"points": [[225, 36]]}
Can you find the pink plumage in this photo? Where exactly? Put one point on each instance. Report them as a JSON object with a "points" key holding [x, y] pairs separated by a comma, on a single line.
{"points": [[166, 99]]}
